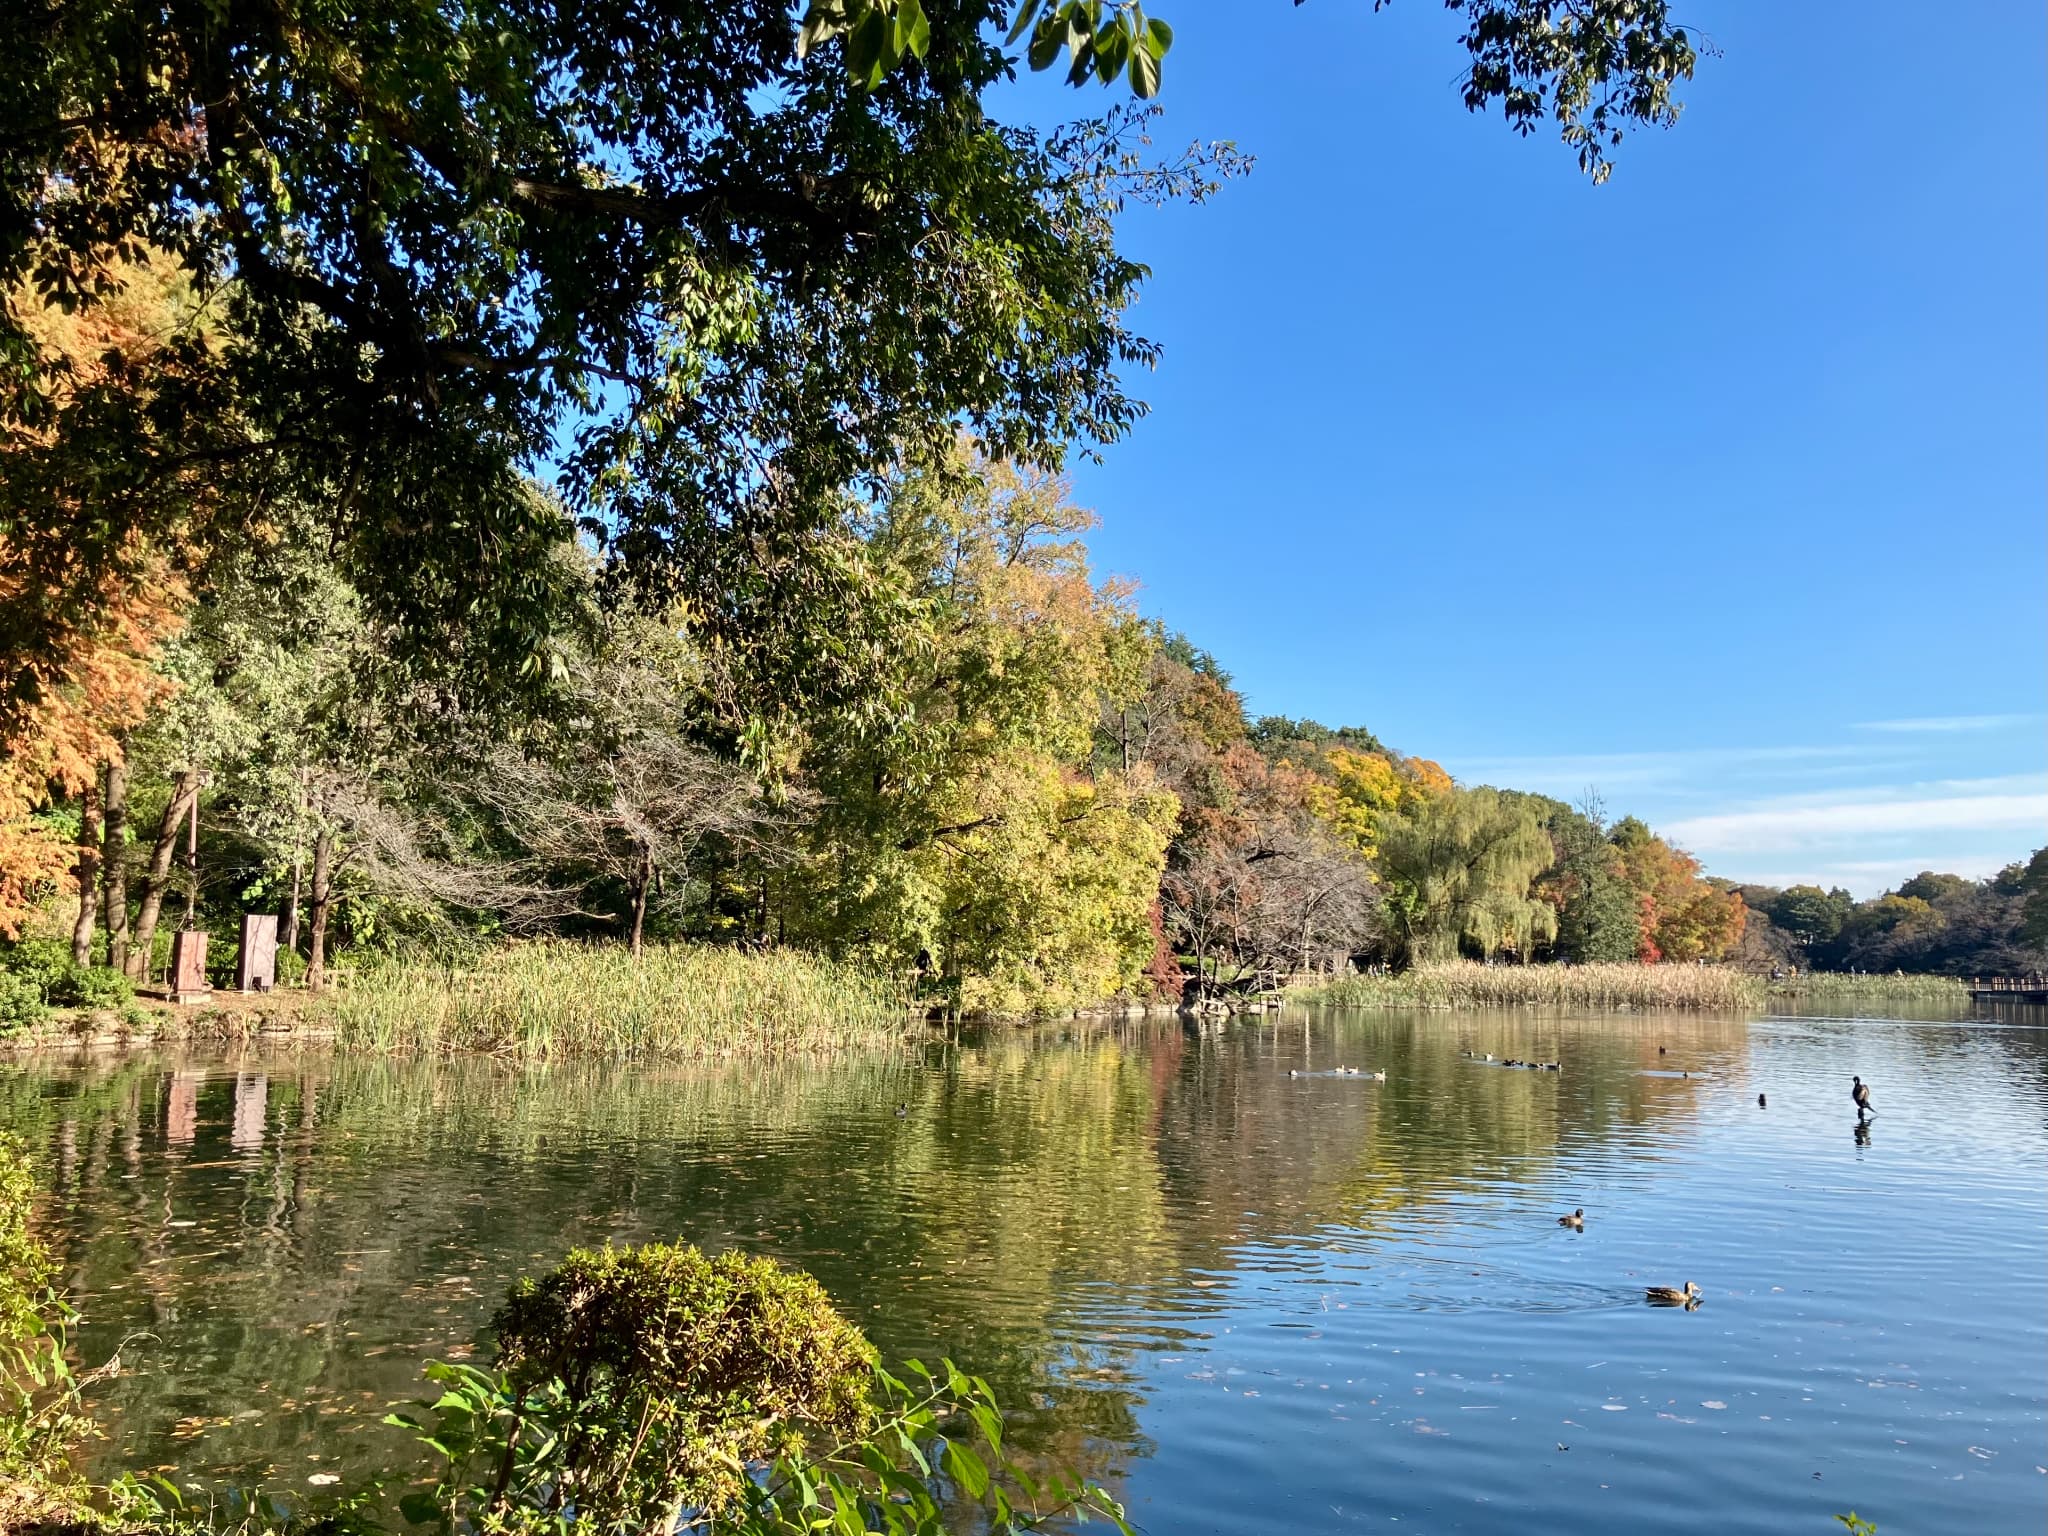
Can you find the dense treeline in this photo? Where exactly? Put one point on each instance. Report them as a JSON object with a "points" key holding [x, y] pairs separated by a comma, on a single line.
{"points": [[1021, 796], [1937, 925]]}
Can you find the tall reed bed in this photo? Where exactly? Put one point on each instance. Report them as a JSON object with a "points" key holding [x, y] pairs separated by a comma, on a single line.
{"points": [[1467, 984], [553, 998], [1827, 986]]}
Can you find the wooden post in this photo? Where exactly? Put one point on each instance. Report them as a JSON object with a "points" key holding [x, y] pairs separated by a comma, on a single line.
{"points": [[256, 966], [188, 966]]}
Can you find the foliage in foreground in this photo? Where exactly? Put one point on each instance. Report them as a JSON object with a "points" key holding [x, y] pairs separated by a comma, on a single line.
{"points": [[552, 998], [1465, 984]]}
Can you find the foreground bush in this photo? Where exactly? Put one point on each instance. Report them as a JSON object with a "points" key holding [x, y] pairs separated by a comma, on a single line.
{"points": [[1467, 984], [549, 997], [659, 1375]]}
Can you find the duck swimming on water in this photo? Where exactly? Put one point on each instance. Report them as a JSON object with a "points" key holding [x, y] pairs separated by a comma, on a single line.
{"points": [[1860, 1093], [1672, 1296], [1576, 1221]]}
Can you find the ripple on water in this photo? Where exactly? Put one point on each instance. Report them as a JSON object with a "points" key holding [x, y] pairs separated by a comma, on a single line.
{"points": [[1252, 1301]]}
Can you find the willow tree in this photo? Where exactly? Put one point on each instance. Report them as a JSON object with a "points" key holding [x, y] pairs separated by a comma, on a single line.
{"points": [[1456, 866]]}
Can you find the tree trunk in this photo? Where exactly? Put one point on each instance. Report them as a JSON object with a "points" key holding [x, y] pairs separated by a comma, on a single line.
{"points": [[290, 939], [114, 865], [323, 882], [642, 875], [89, 836], [157, 879]]}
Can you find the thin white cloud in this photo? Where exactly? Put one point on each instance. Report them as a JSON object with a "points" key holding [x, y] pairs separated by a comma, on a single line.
{"points": [[1948, 724], [2011, 803]]}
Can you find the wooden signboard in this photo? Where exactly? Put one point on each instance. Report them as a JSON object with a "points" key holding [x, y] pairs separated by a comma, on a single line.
{"points": [[188, 967], [256, 970]]}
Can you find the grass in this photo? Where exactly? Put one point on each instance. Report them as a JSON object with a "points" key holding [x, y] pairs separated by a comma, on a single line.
{"points": [[1467, 984], [552, 998], [1872, 989]]}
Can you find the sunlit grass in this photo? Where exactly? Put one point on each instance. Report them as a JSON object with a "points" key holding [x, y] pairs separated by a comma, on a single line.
{"points": [[552, 998], [1872, 989], [1468, 984]]}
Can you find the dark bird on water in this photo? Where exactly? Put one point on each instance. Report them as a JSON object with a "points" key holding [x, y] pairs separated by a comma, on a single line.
{"points": [[1761, 1101], [902, 1111], [1860, 1092], [1660, 1050], [1576, 1221]]}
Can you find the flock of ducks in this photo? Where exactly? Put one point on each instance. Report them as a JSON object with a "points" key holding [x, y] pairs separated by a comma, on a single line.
{"points": [[1516, 1061], [1371, 1077]]}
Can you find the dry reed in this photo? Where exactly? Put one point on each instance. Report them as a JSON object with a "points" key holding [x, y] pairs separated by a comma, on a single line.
{"points": [[554, 998], [1467, 984]]}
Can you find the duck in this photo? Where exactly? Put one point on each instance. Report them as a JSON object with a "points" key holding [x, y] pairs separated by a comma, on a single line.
{"points": [[902, 1111], [1762, 1102], [1378, 1077], [1672, 1296], [1349, 1071], [1576, 1221], [1293, 1072], [1660, 1050], [1553, 1066], [1860, 1092]]}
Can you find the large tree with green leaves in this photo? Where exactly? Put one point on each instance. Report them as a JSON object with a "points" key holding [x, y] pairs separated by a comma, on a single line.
{"points": [[712, 268]]}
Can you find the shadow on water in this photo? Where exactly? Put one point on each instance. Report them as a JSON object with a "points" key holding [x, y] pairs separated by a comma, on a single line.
{"points": [[1075, 1213]]}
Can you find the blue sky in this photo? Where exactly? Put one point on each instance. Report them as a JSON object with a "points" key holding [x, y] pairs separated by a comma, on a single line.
{"points": [[1719, 489]]}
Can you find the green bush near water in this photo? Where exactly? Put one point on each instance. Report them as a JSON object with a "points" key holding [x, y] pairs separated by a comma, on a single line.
{"points": [[36, 975], [549, 998], [1468, 984]]}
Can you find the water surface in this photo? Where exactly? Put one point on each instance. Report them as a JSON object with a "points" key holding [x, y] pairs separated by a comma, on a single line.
{"points": [[1245, 1301]]}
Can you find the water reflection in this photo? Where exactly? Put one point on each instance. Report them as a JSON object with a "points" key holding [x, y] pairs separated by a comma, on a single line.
{"points": [[1174, 1254]]}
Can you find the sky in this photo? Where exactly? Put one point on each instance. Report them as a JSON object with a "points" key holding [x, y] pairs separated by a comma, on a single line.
{"points": [[1717, 490]]}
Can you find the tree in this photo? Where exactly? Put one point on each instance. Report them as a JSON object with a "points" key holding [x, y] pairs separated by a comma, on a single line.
{"points": [[732, 275], [1682, 916], [625, 796], [967, 826], [1456, 866], [1596, 911]]}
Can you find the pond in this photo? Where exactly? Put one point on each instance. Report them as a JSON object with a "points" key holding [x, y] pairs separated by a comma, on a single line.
{"points": [[1244, 1300]]}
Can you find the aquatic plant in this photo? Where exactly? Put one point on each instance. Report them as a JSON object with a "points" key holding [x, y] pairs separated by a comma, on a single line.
{"points": [[1869, 988], [552, 997], [1468, 984]]}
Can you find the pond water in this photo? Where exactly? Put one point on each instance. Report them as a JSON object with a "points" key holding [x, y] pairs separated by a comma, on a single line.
{"points": [[1245, 1301]]}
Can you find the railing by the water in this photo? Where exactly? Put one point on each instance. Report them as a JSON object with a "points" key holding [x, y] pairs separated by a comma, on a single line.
{"points": [[2031, 988]]}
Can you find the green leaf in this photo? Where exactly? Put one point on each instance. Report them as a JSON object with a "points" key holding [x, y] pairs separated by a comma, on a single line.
{"points": [[403, 1421], [1046, 43], [1022, 24], [864, 44], [1158, 38], [420, 1508], [1144, 73], [967, 1468], [913, 30]]}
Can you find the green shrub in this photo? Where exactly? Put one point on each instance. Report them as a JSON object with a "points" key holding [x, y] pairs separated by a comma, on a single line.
{"points": [[657, 1389], [92, 986], [42, 962], [21, 1003], [39, 1417], [679, 1369]]}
